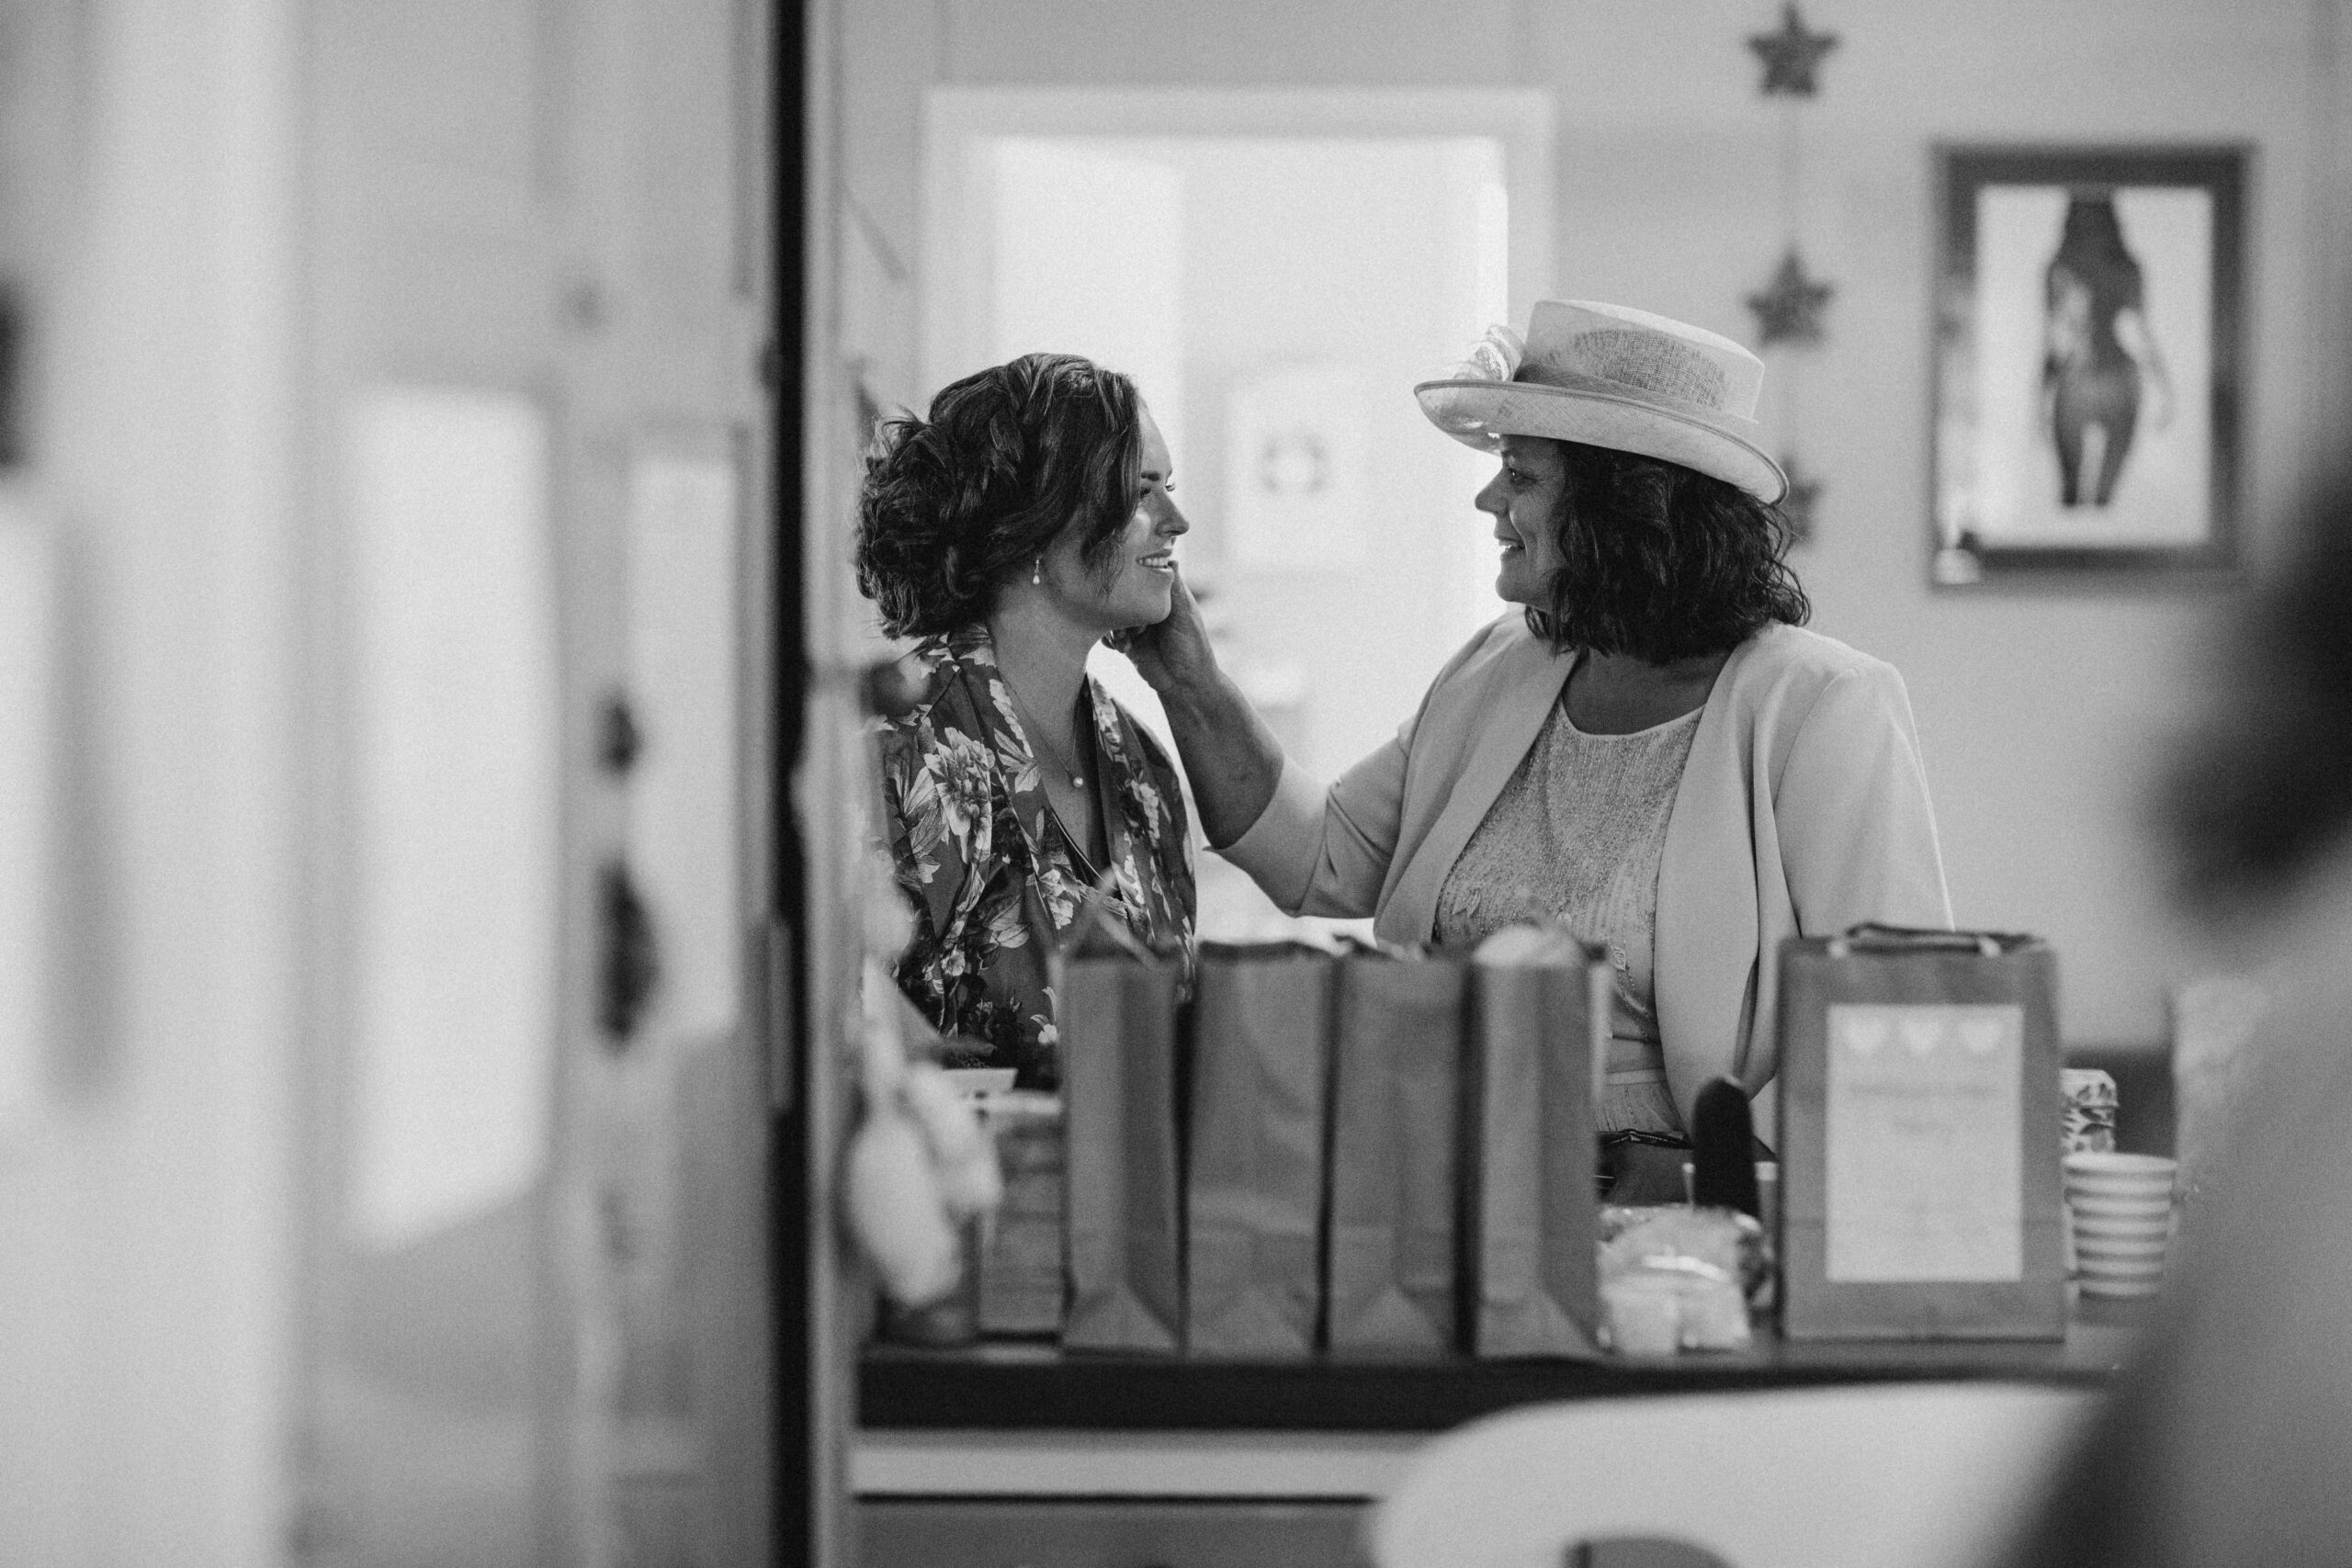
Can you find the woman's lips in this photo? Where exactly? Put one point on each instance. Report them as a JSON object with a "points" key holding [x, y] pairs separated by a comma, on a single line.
{"points": [[1163, 561]]}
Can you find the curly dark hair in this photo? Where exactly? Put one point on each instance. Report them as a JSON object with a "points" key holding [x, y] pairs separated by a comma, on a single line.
{"points": [[955, 504], [1661, 561], [2261, 789]]}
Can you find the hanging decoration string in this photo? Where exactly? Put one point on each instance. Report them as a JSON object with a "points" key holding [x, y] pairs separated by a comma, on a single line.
{"points": [[1789, 308], [1791, 216]]}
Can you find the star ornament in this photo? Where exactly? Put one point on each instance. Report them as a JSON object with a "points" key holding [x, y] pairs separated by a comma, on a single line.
{"points": [[1792, 56], [1790, 310]]}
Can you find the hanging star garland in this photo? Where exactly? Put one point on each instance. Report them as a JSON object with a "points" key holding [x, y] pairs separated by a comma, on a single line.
{"points": [[1790, 310], [1805, 494], [1792, 56]]}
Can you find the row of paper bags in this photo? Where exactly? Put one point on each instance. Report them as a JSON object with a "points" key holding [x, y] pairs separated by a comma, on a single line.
{"points": [[1362, 1152], [1381, 1153]]}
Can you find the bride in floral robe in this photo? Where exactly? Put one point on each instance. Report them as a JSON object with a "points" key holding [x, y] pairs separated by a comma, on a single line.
{"points": [[991, 882], [1023, 523]]}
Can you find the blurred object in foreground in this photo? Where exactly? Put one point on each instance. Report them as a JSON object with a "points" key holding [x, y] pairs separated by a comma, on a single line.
{"points": [[28, 714], [2213, 1024]]}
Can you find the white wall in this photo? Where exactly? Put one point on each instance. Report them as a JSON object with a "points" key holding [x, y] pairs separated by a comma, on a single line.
{"points": [[2041, 711], [144, 1218], [1340, 255]]}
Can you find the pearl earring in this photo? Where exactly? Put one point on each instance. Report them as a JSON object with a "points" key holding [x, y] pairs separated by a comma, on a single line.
{"points": [[1037, 572]]}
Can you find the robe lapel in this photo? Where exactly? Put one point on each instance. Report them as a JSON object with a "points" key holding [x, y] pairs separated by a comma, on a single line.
{"points": [[1024, 787], [1125, 823]]}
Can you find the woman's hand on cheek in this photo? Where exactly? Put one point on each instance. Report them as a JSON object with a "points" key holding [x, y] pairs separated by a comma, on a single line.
{"points": [[1175, 653]]}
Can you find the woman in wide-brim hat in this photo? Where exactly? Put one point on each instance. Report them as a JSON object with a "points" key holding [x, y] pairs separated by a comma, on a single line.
{"points": [[1653, 752]]}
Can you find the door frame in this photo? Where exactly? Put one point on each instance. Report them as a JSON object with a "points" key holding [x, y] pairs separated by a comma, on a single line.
{"points": [[958, 122]]}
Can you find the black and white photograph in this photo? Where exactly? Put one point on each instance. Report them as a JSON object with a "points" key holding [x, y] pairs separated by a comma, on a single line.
{"points": [[2089, 360], [1175, 784]]}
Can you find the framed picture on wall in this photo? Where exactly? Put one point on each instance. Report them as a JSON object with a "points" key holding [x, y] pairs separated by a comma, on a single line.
{"points": [[2089, 357]]}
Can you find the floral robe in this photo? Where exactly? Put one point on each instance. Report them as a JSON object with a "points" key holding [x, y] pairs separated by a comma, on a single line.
{"points": [[992, 884]]}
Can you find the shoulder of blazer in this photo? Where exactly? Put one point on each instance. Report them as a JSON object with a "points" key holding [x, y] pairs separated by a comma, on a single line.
{"points": [[1787, 668], [1783, 674], [1502, 650]]}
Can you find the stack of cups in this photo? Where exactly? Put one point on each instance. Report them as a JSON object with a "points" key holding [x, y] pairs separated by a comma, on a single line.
{"points": [[2122, 1214]]}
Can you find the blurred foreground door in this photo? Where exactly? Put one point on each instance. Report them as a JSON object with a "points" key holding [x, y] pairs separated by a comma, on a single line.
{"points": [[536, 1308]]}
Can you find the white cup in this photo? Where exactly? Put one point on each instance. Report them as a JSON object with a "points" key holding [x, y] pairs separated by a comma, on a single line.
{"points": [[2104, 1228], [2095, 1260], [2120, 1210], [2111, 1212], [2121, 1174]]}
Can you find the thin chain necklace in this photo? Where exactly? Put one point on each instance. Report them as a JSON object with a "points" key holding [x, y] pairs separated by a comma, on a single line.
{"points": [[1038, 731]]}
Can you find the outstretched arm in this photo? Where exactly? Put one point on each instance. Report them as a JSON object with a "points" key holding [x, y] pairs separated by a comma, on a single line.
{"points": [[1313, 851], [1231, 758]]}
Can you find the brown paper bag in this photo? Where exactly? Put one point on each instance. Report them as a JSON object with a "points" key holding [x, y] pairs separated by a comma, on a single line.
{"points": [[1395, 1155], [1261, 1027], [1116, 1011], [1531, 1231], [1919, 1137]]}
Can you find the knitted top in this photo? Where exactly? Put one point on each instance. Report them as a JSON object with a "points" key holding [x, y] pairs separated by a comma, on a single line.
{"points": [[1576, 837]]}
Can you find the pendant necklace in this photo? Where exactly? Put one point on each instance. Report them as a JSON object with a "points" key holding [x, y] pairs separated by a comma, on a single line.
{"points": [[1077, 779]]}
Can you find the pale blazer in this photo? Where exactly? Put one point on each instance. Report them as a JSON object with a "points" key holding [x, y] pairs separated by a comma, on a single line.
{"points": [[1802, 810]]}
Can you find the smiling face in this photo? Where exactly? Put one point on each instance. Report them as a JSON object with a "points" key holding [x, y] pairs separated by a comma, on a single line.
{"points": [[1523, 499], [1134, 585]]}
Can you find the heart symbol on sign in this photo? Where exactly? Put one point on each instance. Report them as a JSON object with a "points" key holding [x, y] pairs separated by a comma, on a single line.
{"points": [[1922, 1035]]}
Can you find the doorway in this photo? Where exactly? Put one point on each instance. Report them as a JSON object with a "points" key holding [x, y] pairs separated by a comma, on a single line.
{"points": [[1276, 270]]}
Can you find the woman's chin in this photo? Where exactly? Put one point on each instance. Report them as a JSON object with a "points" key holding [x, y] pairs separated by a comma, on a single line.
{"points": [[1148, 610]]}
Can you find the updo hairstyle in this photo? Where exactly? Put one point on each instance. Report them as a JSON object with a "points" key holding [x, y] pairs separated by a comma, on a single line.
{"points": [[1661, 561], [956, 504]]}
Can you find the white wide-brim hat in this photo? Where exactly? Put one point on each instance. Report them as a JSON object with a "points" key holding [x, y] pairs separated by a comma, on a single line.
{"points": [[1608, 376]]}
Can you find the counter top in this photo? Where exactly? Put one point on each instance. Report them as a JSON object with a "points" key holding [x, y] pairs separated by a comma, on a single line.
{"points": [[1010, 1387]]}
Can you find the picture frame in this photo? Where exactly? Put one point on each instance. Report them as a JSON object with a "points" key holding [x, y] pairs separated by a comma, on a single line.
{"points": [[2088, 363]]}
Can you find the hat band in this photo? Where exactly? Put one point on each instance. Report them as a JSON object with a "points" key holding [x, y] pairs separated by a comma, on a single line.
{"points": [[1537, 374]]}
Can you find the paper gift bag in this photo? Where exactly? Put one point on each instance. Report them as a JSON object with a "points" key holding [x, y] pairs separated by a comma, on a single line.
{"points": [[1395, 1155], [1531, 1232], [1919, 1137], [1261, 1026], [1116, 1008]]}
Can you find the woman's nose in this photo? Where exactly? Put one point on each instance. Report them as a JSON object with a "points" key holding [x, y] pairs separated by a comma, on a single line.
{"points": [[1171, 521], [1490, 497]]}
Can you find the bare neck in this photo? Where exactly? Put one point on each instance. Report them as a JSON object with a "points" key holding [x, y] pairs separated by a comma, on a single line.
{"points": [[1040, 652], [1615, 694]]}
